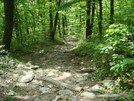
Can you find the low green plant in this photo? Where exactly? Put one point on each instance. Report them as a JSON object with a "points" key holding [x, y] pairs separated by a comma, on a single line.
{"points": [[113, 55], [9, 98], [2, 50], [117, 51]]}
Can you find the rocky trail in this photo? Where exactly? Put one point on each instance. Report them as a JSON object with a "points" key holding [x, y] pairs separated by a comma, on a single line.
{"points": [[52, 73]]}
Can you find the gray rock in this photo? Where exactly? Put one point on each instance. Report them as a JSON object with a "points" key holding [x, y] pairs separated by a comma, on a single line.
{"points": [[20, 66], [65, 92], [1, 63], [89, 95], [56, 98], [74, 98], [81, 83], [41, 83], [126, 96], [41, 72], [82, 79], [12, 93], [44, 90], [95, 88], [107, 82], [29, 63], [27, 78], [67, 81], [53, 73], [3, 85], [85, 87], [108, 95], [34, 67], [85, 74], [1, 72], [50, 86], [11, 62], [36, 99]]}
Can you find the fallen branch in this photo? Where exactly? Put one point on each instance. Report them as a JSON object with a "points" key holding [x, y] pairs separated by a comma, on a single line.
{"points": [[59, 83]]}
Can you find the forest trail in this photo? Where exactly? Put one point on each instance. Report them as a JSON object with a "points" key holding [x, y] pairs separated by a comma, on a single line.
{"points": [[56, 62]]}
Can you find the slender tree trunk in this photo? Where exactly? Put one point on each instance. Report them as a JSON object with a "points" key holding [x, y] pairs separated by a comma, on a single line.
{"points": [[59, 28], [63, 25], [88, 5], [55, 21], [51, 19], [8, 8], [100, 18], [90, 20], [92, 17], [111, 11]]}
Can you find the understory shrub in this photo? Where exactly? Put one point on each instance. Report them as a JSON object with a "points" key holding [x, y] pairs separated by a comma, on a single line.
{"points": [[6, 61], [114, 55]]}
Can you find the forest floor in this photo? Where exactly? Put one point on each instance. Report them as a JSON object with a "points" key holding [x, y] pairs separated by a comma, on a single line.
{"points": [[26, 81]]}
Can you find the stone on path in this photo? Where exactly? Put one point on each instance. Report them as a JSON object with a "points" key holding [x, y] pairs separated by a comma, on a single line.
{"points": [[74, 98], [35, 67], [1, 72], [3, 85], [12, 93], [107, 82], [65, 92], [95, 87], [82, 79], [56, 98], [53, 73], [127, 96], [50, 86], [89, 95], [36, 99], [27, 78], [20, 66], [108, 95], [44, 90], [12, 63]]}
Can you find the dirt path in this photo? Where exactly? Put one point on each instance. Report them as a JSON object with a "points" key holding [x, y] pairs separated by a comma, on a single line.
{"points": [[57, 62], [56, 56]]}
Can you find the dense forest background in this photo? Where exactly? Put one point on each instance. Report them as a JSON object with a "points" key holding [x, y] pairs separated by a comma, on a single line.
{"points": [[104, 31], [37, 21]]}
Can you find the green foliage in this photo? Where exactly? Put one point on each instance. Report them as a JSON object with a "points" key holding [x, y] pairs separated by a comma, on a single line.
{"points": [[2, 50], [131, 95], [7, 62], [9, 98], [114, 55]]}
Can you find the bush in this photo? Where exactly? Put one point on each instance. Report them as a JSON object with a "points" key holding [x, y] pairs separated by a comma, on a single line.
{"points": [[114, 55], [2, 50]]}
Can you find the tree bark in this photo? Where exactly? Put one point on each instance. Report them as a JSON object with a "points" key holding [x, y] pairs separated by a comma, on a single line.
{"points": [[51, 19], [111, 11], [88, 5], [92, 16], [90, 20], [55, 21], [100, 18], [63, 24], [8, 9]]}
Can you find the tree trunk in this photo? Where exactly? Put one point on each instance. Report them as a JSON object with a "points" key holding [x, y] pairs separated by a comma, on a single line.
{"points": [[88, 5], [111, 11], [100, 18], [90, 20], [55, 21], [63, 25], [92, 17], [51, 19], [59, 28], [8, 8]]}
